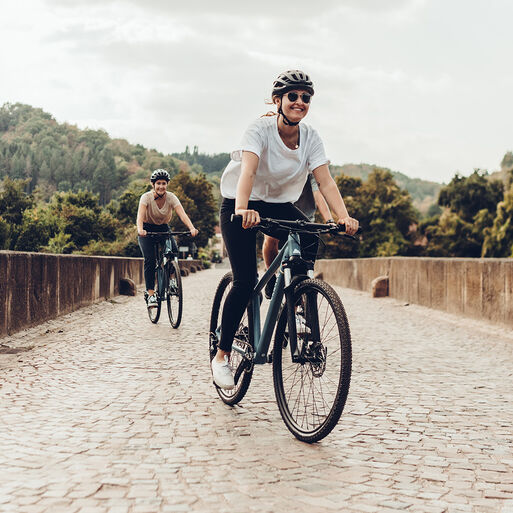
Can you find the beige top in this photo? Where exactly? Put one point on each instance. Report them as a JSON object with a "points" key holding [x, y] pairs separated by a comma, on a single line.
{"points": [[154, 214]]}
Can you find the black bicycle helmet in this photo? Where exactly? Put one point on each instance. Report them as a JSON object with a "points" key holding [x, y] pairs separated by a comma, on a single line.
{"points": [[160, 174], [292, 79]]}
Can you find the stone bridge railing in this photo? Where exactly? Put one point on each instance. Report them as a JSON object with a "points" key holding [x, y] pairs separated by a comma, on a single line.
{"points": [[35, 287], [477, 288]]}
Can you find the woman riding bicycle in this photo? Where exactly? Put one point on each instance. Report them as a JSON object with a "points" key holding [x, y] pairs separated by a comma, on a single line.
{"points": [[154, 213], [310, 200], [264, 178]]}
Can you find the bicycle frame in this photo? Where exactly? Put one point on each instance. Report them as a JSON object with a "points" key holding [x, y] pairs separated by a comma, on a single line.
{"points": [[165, 244], [262, 337]]}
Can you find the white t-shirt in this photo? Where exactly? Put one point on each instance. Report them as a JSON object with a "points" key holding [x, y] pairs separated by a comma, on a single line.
{"points": [[281, 173]]}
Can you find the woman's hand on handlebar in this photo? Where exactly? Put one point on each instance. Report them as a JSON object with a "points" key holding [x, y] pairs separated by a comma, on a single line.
{"points": [[250, 218], [142, 232], [194, 232], [351, 225]]}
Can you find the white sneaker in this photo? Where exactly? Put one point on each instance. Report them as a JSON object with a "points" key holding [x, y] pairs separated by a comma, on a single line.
{"points": [[152, 301], [222, 374]]}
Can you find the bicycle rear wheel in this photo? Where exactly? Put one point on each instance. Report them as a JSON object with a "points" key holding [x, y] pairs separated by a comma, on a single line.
{"points": [[154, 311], [174, 294], [241, 366], [311, 386]]}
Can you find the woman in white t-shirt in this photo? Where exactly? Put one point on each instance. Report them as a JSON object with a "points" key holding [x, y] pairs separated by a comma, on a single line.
{"points": [[264, 178], [155, 211]]}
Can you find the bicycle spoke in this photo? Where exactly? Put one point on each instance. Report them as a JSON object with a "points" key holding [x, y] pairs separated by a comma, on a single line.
{"points": [[312, 385]]}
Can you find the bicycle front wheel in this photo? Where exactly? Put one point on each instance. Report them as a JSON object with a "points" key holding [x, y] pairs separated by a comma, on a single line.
{"points": [[241, 366], [154, 311], [174, 294], [312, 374]]}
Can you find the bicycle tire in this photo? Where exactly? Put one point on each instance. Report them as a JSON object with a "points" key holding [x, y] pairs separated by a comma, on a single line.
{"points": [[174, 296], [300, 386], [154, 312], [241, 367]]}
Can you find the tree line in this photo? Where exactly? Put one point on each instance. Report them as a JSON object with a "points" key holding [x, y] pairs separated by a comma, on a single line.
{"points": [[474, 218], [76, 222], [66, 190]]}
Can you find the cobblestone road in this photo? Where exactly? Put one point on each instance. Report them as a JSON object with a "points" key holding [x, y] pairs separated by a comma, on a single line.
{"points": [[105, 412]]}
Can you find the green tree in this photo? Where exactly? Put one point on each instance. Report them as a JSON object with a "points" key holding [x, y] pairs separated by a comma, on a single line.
{"points": [[470, 205], [128, 203], [35, 231], [4, 233], [14, 200], [80, 216], [195, 194], [60, 244], [466, 196], [450, 236], [385, 212], [498, 241]]}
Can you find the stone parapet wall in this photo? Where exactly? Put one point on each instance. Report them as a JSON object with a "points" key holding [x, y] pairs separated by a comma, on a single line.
{"points": [[477, 288], [35, 287]]}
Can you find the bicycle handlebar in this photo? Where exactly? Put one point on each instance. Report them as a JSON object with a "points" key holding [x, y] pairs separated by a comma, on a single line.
{"points": [[161, 234], [299, 225]]}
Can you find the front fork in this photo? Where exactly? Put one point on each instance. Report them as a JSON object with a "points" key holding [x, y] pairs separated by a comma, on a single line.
{"points": [[291, 309], [310, 314]]}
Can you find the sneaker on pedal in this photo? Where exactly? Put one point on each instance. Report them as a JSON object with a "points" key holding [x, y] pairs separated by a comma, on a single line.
{"points": [[152, 301], [269, 287], [222, 374]]}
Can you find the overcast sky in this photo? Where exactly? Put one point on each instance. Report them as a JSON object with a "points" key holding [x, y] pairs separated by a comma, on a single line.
{"points": [[419, 86]]}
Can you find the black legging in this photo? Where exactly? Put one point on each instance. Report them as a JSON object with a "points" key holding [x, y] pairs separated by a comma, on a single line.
{"points": [[148, 247], [241, 247]]}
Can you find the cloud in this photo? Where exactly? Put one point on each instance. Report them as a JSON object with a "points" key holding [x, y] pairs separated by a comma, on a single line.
{"points": [[394, 86], [267, 9]]}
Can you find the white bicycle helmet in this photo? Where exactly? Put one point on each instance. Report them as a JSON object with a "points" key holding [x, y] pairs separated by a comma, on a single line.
{"points": [[160, 174]]}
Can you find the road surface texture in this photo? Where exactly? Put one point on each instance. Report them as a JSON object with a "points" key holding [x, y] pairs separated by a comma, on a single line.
{"points": [[103, 412]]}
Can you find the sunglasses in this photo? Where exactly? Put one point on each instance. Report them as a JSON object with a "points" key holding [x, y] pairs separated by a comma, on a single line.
{"points": [[292, 96]]}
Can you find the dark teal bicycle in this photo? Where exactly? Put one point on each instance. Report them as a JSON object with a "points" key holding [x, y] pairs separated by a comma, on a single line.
{"points": [[311, 354], [168, 280]]}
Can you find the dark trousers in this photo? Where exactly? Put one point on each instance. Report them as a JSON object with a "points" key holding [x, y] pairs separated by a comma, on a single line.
{"points": [[149, 247], [241, 247]]}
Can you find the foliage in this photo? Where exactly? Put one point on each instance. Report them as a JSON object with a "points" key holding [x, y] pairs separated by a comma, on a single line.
{"points": [[470, 204], [208, 164], [498, 240], [60, 243], [34, 232], [4, 233], [80, 216], [466, 196], [128, 203], [60, 157], [195, 195], [13, 200], [385, 212], [424, 193], [451, 236]]}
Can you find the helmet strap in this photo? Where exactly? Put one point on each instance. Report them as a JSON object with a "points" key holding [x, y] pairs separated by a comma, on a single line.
{"points": [[159, 195], [286, 120]]}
